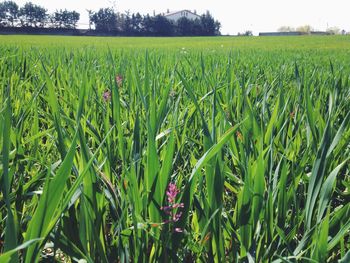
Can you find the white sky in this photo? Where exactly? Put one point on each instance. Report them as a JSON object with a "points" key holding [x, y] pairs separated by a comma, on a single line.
{"points": [[235, 16]]}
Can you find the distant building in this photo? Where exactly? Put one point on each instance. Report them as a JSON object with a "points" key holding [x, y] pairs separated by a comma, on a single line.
{"points": [[320, 33], [293, 33], [174, 16]]}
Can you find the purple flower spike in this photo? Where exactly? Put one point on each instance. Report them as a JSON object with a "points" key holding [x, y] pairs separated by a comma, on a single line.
{"points": [[170, 209], [106, 95], [178, 205], [172, 192], [166, 208], [176, 217]]}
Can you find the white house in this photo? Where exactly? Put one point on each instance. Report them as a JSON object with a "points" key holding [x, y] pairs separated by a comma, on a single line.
{"points": [[174, 16]]}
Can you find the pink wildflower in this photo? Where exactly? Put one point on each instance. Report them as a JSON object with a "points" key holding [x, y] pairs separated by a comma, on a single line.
{"points": [[119, 80], [172, 192], [106, 95], [178, 205], [176, 217], [166, 208], [171, 208]]}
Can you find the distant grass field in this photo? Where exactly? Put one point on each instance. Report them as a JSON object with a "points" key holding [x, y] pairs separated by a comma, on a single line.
{"points": [[323, 43], [220, 149]]}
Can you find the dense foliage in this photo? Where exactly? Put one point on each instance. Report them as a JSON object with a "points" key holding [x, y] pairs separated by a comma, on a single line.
{"points": [[106, 20], [64, 19], [175, 149], [31, 15]]}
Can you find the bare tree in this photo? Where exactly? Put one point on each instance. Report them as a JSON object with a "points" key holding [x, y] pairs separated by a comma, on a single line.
{"points": [[305, 29], [333, 30], [286, 29]]}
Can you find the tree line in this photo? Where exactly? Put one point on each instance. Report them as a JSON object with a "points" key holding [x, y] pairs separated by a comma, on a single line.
{"points": [[107, 20], [31, 15]]}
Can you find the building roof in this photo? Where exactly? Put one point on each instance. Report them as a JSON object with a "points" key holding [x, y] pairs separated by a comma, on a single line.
{"points": [[175, 12]]}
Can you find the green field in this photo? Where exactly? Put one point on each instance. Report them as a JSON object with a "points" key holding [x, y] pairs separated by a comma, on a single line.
{"points": [[321, 43], [222, 149]]}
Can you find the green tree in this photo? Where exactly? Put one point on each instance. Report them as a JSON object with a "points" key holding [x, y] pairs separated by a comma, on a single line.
{"points": [[132, 25], [8, 13], [32, 15], [2, 16], [162, 26], [104, 20], [73, 19], [210, 27], [247, 33], [56, 19], [184, 27], [197, 27], [157, 26], [65, 19], [147, 24], [124, 23], [136, 22]]}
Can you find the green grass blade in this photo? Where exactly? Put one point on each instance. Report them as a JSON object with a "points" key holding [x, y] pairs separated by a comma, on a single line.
{"points": [[8, 256], [49, 202], [6, 178]]}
